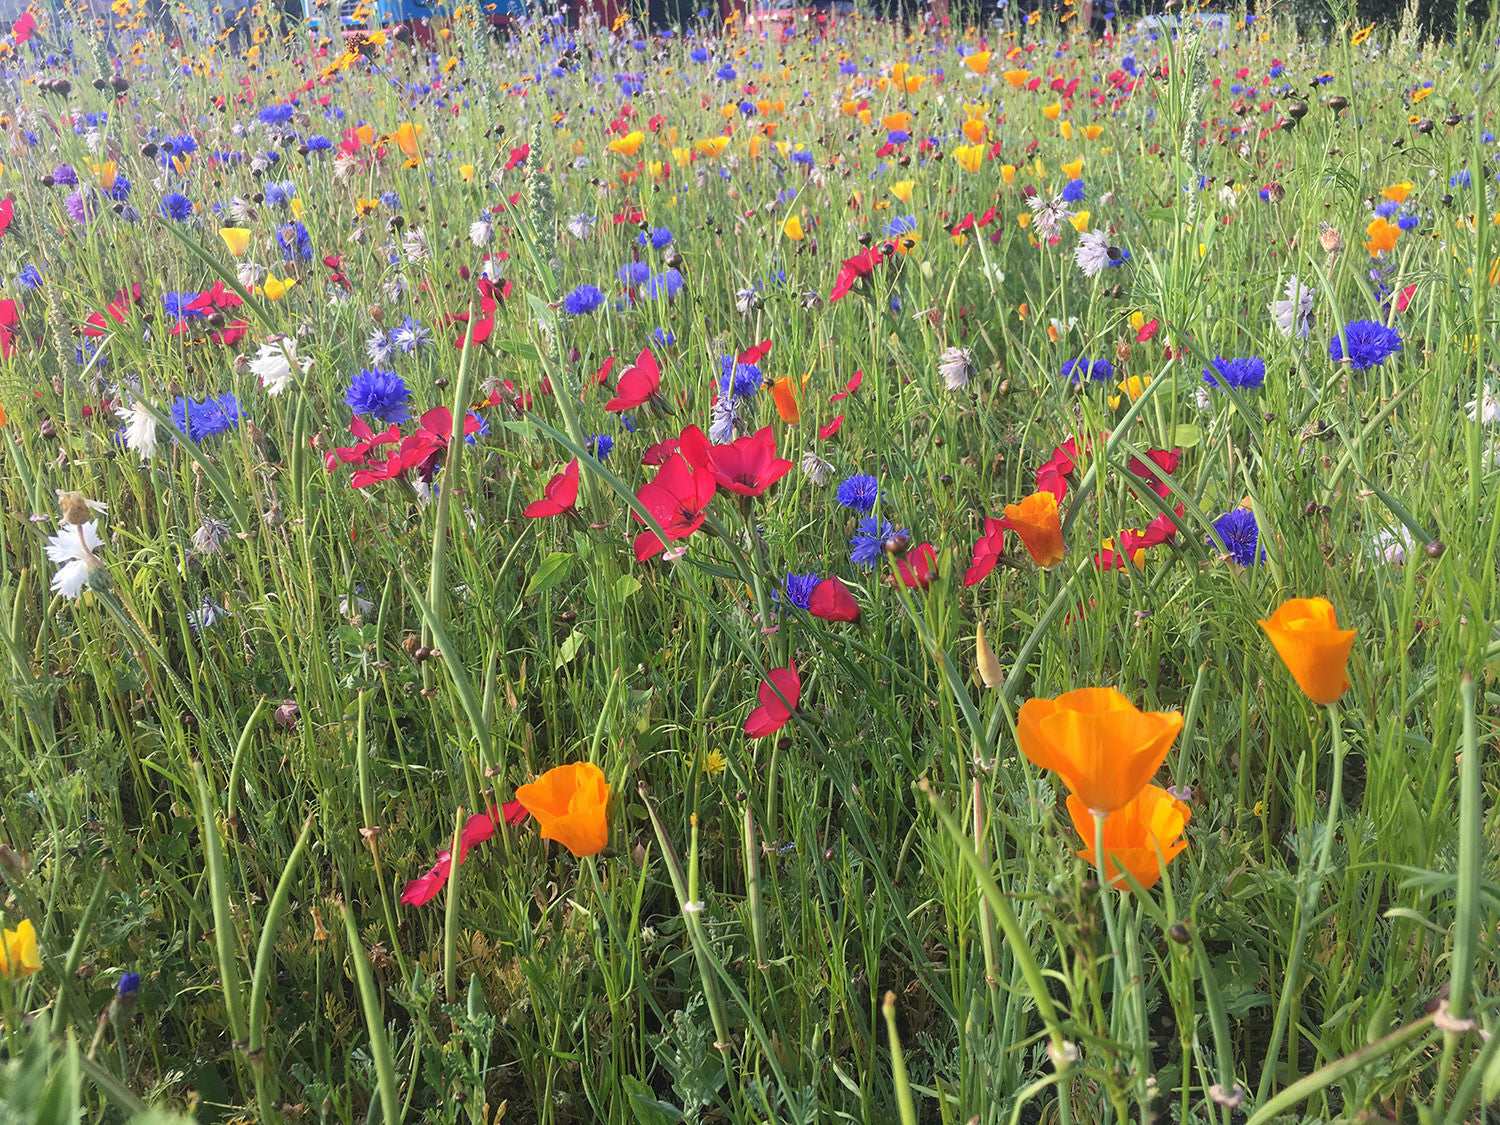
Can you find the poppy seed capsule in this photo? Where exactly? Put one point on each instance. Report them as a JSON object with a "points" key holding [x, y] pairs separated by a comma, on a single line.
{"points": [[1337, 102], [1435, 549], [1178, 933]]}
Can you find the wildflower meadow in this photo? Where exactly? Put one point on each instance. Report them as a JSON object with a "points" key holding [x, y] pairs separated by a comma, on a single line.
{"points": [[766, 570]]}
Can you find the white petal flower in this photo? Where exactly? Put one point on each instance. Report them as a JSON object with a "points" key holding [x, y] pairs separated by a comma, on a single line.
{"points": [[1092, 254], [480, 233], [73, 547], [140, 430], [955, 365], [1486, 408], [274, 361], [1294, 315]]}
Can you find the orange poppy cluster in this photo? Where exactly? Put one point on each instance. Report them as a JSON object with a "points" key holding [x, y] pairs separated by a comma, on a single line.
{"points": [[1106, 751]]}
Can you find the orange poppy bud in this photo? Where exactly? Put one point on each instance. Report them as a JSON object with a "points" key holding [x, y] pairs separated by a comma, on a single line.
{"points": [[1154, 819], [1307, 637], [787, 395], [1036, 521], [1103, 748], [569, 803]]}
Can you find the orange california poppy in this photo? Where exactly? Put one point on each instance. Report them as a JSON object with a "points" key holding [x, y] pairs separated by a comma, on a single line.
{"points": [[628, 144], [1382, 236], [1036, 521], [1397, 193], [1103, 748], [787, 394], [569, 803], [1307, 637], [978, 62], [1133, 834], [1017, 77], [405, 137]]}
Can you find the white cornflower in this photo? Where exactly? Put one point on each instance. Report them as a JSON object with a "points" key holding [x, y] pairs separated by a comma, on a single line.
{"points": [[274, 361], [723, 418], [1390, 546], [1226, 196], [581, 226], [241, 211], [1202, 399], [73, 548], [414, 243], [1092, 254], [140, 430], [1294, 315], [955, 365], [249, 274], [378, 346], [1486, 408], [747, 300], [206, 615], [1049, 215], [480, 233], [815, 469], [491, 270], [210, 536]]}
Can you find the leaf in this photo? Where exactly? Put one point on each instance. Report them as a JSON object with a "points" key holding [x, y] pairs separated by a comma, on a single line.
{"points": [[569, 648], [626, 586], [1154, 214], [1188, 435], [554, 570], [648, 1109]]}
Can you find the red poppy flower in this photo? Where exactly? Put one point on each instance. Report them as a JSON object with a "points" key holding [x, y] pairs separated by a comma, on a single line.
{"points": [[559, 496], [603, 373], [1164, 460], [425, 888], [778, 695], [918, 567], [657, 454], [831, 427], [852, 270], [10, 319], [832, 601], [1147, 331], [747, 466], [850, 387], [518, 155], [24, 28], [359, 453], [755, 354], [677, 498], [1053, 476], [637, 383], [7, 211], [986, 552]]}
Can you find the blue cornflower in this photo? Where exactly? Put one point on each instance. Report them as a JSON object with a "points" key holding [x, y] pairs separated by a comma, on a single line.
{"points": [[1241, 536], [738, 379], [294, 241], [1370, 344], [600, 445], [482, 431], [699, 54], [859, 491], [380, 393], [635, 273], [870, 538], [659, 238], [275, 114], [897, 137], [1407, 222], [664, 337], [668, 283], [583, 300], [390, 199], [378, 347], [1387, 208], [628, 423], [177, 207], [129, 984], [411, 336], [1241, 374], [279, 193], [179, 146], [1459, 179], [64, 174], [212, 416], [30, 277], [797, 589], [802, 156], [318, 143], [1099, 370], [901, 224], [1073, 192], [176, 304], [726, 73]]}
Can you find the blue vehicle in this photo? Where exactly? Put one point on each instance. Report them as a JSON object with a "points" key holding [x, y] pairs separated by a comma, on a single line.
{"points": [[417, 15]]}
